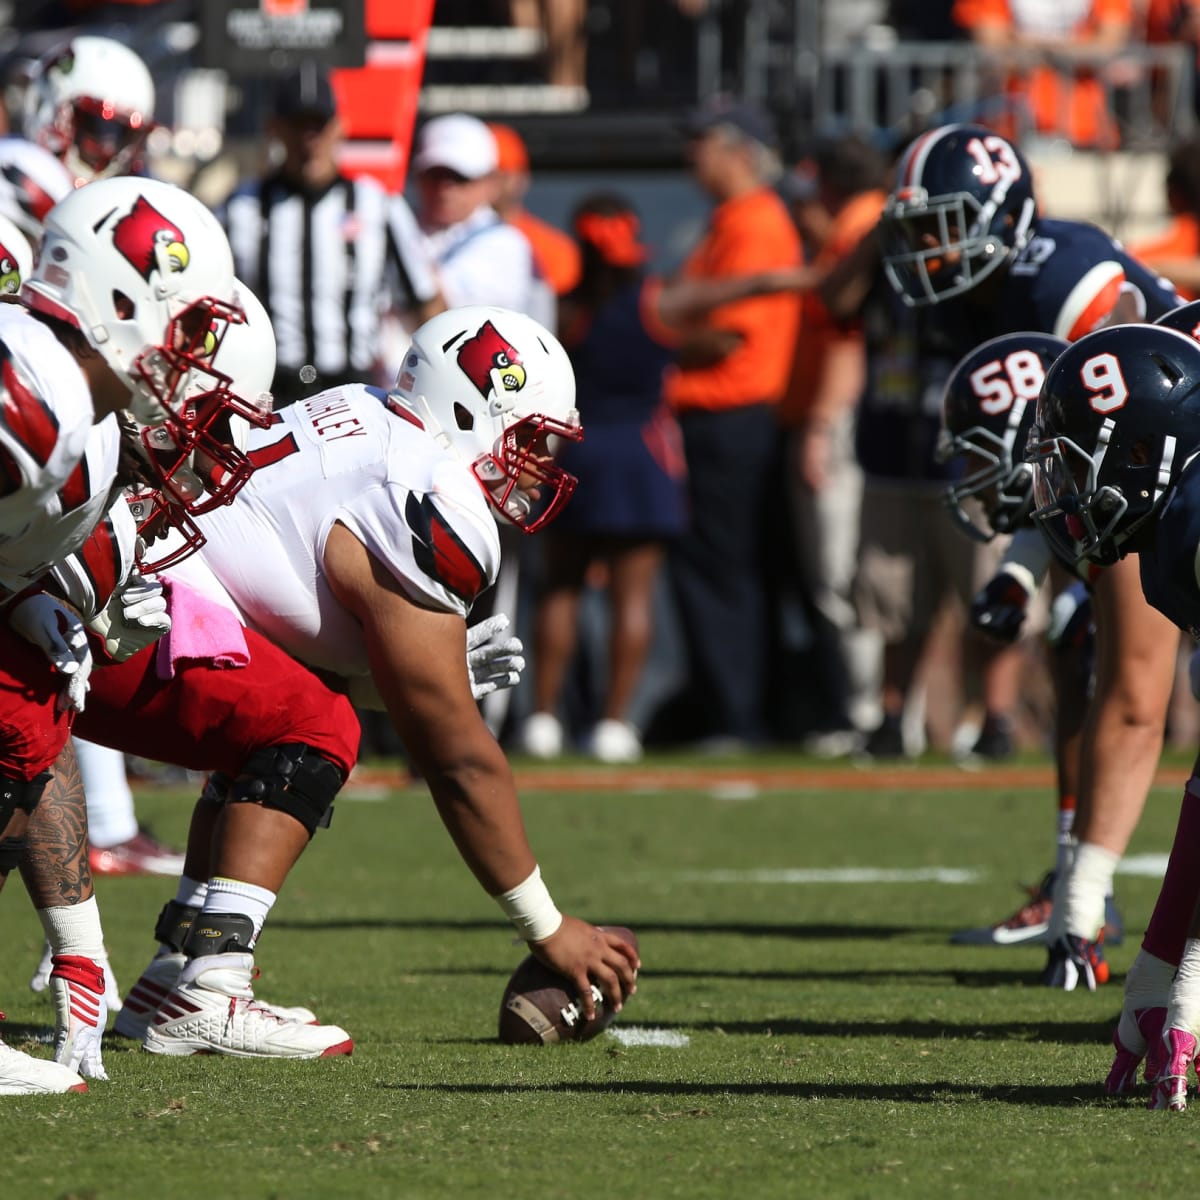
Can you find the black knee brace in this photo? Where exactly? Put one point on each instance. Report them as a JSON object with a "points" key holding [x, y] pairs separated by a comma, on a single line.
{"points": [[216, 790], [17, 794], [173, 924], [293, 778]]}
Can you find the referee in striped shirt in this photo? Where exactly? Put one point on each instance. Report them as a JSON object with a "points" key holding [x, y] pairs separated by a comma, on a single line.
{"points": [[328, 256]]}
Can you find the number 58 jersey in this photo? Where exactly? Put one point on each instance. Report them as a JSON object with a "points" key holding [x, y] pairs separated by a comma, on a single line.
{"points": [[343, 457]]}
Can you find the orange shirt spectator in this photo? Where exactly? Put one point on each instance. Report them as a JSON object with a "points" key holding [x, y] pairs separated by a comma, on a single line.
{"points": [[1071, 104], [1175, 253], [555, 253], [752, 232], [818, 329]]}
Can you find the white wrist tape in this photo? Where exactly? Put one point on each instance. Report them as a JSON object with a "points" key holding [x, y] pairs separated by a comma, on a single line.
{"points": [[530, 908], [1027, 558]]}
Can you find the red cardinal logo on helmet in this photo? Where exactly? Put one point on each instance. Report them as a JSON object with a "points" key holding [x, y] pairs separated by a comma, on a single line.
{"points": [[150, 242], [491, 363]]}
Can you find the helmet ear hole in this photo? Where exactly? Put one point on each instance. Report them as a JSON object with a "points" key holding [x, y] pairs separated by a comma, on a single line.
{"points": [[463, 417], [123, 305]]}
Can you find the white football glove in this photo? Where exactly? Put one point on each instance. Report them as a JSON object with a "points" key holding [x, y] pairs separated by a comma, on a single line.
{"points": [[59, 633], [135, 617], [493, 662]]}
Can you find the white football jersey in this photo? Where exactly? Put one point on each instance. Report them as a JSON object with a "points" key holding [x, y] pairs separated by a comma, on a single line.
{"points": [[56, 467], [343, 457], [32, 181]]}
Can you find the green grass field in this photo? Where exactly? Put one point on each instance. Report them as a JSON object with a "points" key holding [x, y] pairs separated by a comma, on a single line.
{"points": [[835, 1043]]}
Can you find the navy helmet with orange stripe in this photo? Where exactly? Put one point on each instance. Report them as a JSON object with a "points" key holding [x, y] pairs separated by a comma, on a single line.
{"points": [[961, 207], [1117, 420]]}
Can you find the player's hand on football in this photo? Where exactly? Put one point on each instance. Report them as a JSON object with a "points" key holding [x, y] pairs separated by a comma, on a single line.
{"points": [[59, 633], [587, 955], [135, 617], [493, 661], [998, 611]]}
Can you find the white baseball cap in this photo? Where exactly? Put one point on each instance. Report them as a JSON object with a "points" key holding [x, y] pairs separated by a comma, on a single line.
{"points": [[459, 142]]}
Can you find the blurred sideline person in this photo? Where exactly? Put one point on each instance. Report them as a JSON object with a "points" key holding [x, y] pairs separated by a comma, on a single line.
{"points": [[631, 498], [358, 547], [834, 206], [1114, 445], [328, 256], [1175, 253], [555, 253], [731, 371], [480, 259], [76, 355]]}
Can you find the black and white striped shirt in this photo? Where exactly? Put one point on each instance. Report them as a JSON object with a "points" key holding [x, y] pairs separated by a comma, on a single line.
{"points": [[327, 265]]}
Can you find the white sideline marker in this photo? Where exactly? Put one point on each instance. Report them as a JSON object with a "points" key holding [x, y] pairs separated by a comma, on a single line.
{"points": [[949, 875], [638, 1035]]}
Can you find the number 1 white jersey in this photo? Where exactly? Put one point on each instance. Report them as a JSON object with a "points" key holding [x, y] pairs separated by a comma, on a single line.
{"points": [[344, 457]]}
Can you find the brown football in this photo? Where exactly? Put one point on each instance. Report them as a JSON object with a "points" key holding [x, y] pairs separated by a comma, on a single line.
{"points": [[538, 1008]]}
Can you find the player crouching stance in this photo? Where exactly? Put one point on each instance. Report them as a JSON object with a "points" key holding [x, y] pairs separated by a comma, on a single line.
{"points": [[1115, 445], [389, 501]]}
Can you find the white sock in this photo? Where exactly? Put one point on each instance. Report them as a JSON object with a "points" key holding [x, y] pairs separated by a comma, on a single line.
{"points": [[233, 896], [111, 819], [75, 929], [1089, 881], [1183, 1012], [191, 892]]}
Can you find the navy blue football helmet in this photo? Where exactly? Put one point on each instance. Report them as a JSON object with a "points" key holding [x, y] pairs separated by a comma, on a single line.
{"points": [[1185, 318], [987, 412], [962, 206], [1117, 420]]}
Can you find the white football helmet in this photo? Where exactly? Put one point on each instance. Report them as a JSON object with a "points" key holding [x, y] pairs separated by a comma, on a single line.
{"points": [[144, 271], [16, 257], [90, 102], [194, 474], [32, 181], [497, 389]]}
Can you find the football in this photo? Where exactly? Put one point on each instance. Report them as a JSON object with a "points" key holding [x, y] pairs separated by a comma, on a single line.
{"points": [[537, 1008]]}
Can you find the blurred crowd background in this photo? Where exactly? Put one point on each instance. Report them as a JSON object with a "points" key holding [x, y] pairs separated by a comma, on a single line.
{"points": [[586, 97]]}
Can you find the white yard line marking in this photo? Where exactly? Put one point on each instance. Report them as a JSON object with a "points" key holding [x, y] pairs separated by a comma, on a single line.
{"points": [[637, 1035], [1152, 865], [951, 875]]}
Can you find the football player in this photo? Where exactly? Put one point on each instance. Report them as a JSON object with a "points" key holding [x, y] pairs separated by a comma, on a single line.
{"points": [[124, 308], [1115, 444], [90, 103], [987, 413], [962, 223], [359, 545]]}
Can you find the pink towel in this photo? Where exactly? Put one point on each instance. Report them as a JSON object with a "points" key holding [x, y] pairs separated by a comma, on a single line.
{"points": [[202, 631]]}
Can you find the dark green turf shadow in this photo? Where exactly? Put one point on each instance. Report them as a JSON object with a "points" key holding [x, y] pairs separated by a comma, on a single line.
{"points": [[936, 1092], [823, 932]]}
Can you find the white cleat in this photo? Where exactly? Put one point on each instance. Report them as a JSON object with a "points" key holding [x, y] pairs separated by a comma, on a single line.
{"points": [[212, 1010], [156, 982], [616, 742], [541, 736], [23, 1075]]}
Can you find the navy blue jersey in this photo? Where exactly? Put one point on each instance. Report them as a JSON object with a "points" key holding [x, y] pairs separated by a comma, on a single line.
{"points": [[1068, 278], [1169, 567]]}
